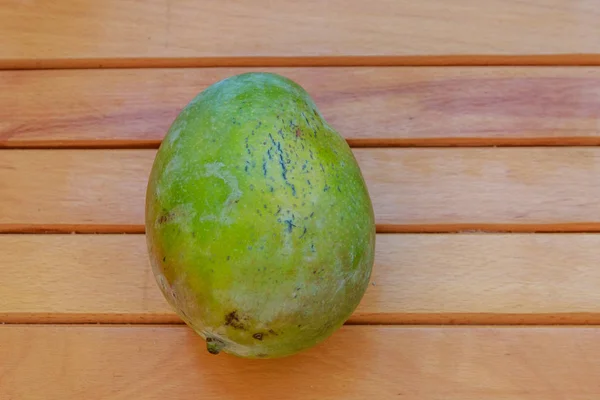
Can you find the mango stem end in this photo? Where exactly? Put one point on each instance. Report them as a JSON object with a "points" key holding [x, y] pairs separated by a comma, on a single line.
{"points": [[214, 346]]}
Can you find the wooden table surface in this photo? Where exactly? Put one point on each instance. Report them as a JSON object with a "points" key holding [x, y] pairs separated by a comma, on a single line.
{"points": [[476, 124]]}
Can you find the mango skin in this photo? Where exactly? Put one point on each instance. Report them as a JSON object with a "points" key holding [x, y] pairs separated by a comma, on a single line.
{"points": [[259, 225]]}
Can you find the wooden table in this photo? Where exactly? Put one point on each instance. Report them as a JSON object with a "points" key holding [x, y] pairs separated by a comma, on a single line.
{"points": [[475, 124]]}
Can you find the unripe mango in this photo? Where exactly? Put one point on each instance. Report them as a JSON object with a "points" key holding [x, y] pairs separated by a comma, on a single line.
{"points": [[259, 225]]}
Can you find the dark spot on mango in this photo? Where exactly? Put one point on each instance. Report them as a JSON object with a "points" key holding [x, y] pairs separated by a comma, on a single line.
{"points": [[303, 233], [258, 336], [290, 225], [232, 319]]}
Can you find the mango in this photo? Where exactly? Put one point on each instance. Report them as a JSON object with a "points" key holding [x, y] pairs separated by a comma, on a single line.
{"points": [[259, 225]]}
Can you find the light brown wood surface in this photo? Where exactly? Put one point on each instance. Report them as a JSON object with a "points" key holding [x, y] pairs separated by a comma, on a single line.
{"points": [[95, 362], [521, 189], [76, 33], [369, 106], [89, 88], [425, 279]]}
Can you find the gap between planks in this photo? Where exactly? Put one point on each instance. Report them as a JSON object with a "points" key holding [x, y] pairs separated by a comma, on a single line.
{"points": [[459, 228], [308, 61], [399, 319], [449, 142]]}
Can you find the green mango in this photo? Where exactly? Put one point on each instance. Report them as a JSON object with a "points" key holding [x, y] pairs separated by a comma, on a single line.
{"points": [[259, 225]]}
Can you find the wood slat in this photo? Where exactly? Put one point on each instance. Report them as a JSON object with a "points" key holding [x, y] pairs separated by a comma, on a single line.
{"points": [[57, 362], [79, 33], [413, 190], [370, 106], [424, 279]]}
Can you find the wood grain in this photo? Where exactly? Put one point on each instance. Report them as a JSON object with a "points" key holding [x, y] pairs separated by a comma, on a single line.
{"points": [[424, 279], [383, 106], [80, 33], [101, 362], [520, 189]]}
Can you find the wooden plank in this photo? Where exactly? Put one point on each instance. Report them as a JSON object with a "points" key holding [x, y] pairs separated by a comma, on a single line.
{"points": [[423, 279], [188, 32], [370, 106], [57, 362], [79, 278], [413, 190], [73, 187]]}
